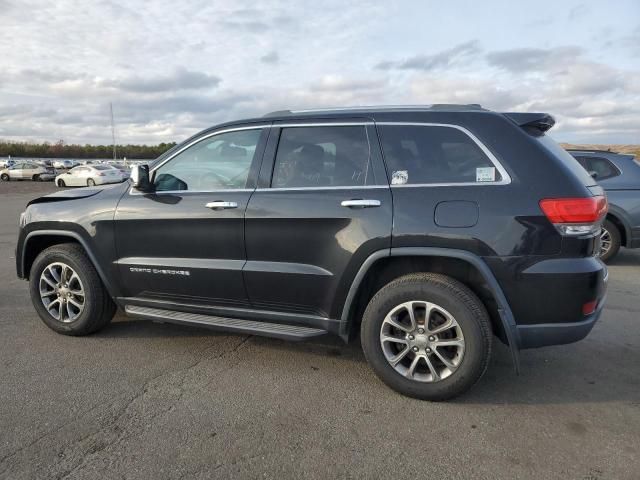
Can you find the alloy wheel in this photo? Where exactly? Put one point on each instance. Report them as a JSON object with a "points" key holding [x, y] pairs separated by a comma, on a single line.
{"points": [[605, 242], [62, 292], [422, 341]]}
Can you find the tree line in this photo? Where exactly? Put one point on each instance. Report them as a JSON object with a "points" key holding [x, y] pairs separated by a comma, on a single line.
{"points": [[61, 149]]}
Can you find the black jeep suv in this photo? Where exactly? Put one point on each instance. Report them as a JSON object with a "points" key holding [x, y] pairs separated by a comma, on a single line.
{"points": [[427, 230]]}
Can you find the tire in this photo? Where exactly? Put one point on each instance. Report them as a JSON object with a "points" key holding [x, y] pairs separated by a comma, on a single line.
{"points": [[5, 177], [97, 307], [91, 182], [450, 297], [35, 178], [610, 236], [61, 183]]}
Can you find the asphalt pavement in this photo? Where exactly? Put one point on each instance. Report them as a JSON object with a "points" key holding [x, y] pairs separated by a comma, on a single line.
{"points": [[143, 400]]}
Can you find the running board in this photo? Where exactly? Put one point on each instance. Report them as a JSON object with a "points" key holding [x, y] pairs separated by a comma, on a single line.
{"points": [[250, 327]]}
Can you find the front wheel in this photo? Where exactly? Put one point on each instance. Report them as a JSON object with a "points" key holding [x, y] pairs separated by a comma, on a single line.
{"points": [[427, 336], [35, 178], [5, 177], [61, 183], [91, 182], [67, 292], [609, 241]]}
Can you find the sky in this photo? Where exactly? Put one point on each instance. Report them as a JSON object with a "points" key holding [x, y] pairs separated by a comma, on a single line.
{"points": [[172, 68]]}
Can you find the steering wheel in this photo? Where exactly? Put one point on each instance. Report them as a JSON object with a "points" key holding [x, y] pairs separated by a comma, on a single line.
{"points": [[212, 177]]}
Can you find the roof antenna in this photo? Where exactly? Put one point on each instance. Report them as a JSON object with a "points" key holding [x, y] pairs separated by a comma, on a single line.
{"points": [[113, 131]]}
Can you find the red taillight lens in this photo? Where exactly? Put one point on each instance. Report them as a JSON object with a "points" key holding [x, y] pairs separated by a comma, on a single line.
{"points": [[574, 210], [589, 307]]}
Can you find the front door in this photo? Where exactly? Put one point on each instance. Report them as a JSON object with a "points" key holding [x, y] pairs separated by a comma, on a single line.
{"points": [[323, 207], [184, 243]]}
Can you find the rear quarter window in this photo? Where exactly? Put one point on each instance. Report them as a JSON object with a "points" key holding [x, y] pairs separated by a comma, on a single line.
{"points": [[429, 154]]}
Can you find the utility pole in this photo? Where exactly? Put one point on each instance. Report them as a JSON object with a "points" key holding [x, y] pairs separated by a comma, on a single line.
{"points": [[113, 131]]}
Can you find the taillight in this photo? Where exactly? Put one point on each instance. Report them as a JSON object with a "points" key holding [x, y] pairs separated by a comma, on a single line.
{"points": [[589, 307], [575, 216], [101, 174]]}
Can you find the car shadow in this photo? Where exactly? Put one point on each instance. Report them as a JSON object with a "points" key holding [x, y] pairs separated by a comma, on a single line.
{"points": [[554, 375], [626, 257]]}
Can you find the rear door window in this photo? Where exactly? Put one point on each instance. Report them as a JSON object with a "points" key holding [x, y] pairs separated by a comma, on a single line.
{"points": [[424, 154], [324, 156]]}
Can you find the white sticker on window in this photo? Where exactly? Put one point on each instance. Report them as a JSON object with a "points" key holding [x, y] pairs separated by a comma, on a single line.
{"points": [[486, 174], [399, 177]]}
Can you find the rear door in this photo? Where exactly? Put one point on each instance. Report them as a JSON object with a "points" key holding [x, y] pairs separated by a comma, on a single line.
{"points": [[322, 207]]}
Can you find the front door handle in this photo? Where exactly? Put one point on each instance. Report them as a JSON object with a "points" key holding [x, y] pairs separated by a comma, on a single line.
{"points": [[360, 203], [220, 205]]}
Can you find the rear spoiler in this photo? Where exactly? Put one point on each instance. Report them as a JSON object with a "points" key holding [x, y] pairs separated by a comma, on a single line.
{"points": [[539, 121]]}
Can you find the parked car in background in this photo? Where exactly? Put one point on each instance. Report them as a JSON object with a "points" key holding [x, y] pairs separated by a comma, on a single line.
{"points": [[27, 171], [124, 170], [89, 175], [619, 175], [66, 164], [6, 162]]}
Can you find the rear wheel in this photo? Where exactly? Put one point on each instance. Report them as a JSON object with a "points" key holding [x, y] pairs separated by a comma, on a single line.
{"points": [[427, 336], [609, 241], [91, 182], [5, 177], [35, 178], [67, 292], [61, 183]]}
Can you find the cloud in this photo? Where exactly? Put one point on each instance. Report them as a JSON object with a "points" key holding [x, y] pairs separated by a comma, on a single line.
{"points": [[522, 60], [579, 11], [176, 68], [446, 58], [270, 58], [180, 79]]}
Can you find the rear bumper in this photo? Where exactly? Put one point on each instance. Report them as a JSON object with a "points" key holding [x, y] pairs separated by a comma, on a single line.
{"points": [[545, 334]]}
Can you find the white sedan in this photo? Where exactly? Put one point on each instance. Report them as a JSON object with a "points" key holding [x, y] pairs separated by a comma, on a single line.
{"points": [[89, 175]]}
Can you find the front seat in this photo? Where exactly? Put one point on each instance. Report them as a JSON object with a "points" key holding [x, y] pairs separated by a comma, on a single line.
{"points": [[309, 166]]}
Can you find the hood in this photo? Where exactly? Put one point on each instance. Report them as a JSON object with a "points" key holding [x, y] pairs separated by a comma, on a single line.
{"points": [[67, 195]]}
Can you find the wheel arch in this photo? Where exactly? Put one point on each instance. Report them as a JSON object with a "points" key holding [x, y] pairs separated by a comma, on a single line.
{"points": [[615, 216], [385, 265], [35, 242]]}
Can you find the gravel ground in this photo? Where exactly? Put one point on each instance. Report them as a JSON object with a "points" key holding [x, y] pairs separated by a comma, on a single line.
{"points": [[144, 400]]}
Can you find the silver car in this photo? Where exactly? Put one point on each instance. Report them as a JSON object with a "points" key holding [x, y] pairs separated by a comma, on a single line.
{"points": [[27, 171]]}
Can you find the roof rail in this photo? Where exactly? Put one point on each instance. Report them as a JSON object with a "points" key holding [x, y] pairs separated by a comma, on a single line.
{"points": [[435, 106]]}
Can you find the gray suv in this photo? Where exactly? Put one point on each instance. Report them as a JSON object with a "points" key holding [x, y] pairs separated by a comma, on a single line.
{"points": [[619, 175]]}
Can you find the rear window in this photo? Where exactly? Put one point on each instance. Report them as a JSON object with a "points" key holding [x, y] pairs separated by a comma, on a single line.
{"points": [[416, 154], [102, 167]]}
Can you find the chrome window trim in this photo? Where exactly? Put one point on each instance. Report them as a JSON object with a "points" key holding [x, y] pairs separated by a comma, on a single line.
{"points": [[505, 177], [341, 187], [505, 180]]}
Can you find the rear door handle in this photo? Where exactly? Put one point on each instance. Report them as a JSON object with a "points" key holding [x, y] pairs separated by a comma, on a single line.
{"points": [[220, 205], [360, 203]]}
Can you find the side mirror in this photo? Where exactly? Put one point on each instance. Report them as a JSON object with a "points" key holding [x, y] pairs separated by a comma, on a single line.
{"points": [[140, 178]]}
